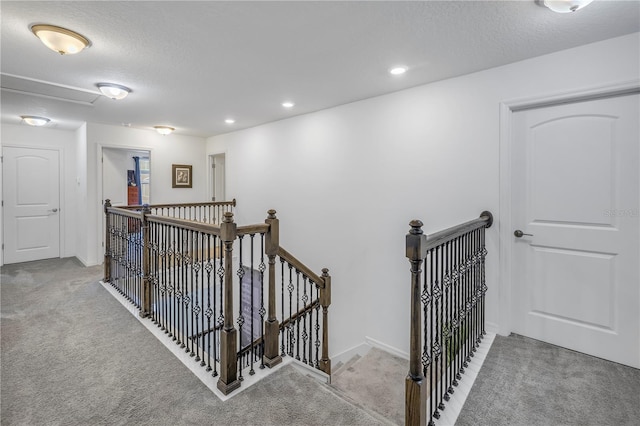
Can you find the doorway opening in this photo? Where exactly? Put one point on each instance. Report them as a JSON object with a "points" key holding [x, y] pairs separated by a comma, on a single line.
{"points": [[217, 187]]}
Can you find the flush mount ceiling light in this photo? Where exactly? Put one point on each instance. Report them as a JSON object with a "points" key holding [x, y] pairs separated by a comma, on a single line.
{"points": [[113, 91], [564, 6], [61, 40], [229, 121], [164, 130], [33, 120], [288, 104], [398, 70]]}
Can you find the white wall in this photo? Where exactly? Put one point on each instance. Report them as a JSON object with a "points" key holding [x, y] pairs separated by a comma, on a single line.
{"points": [[347, 181], [165, 151], [64, 141]]}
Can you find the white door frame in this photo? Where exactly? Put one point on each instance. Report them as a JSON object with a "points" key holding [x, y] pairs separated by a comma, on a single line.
{"points": [[505, 229], [62, 210], [211, 173], [100, 230]]}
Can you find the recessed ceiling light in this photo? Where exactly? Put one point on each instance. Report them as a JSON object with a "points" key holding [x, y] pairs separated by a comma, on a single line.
{"points": [[164, 130], [33, 120], [288, 104], [229, 121], [113, 91], [61, 40], [398, 70]]}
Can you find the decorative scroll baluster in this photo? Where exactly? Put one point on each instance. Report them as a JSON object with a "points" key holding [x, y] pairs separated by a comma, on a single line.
{"points": [[240, 319], [262, 267], [290, 324], [251, 269]]}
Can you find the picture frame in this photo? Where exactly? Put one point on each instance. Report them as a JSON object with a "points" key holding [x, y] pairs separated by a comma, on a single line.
{"points": [[181, 176]]}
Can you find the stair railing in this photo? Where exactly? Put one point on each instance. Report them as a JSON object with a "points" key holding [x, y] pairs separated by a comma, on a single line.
{"points": [[447, 312], [180, 274]]}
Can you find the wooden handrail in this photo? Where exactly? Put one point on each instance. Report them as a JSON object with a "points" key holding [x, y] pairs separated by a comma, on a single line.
{"points": [[484, 221], [191, 225], [206, 203], [301, 267], [124, 212], [301, 312], [258, 228]]}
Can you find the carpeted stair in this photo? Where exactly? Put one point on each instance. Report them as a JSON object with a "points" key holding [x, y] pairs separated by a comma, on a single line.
{"points": [[374, 382]]}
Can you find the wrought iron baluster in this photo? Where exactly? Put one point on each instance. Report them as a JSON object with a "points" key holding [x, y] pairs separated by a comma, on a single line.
{"points": [[251, 269], [282, 328], [262, 267], [303, 318], [290, 325], [221, 272], [297, 341], [198, 299], [317, 327], [240, 319], [427, 351]]}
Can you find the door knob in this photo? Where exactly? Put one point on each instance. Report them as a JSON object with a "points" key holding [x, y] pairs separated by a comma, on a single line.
{"points": [[519, 234], [53, 210]]}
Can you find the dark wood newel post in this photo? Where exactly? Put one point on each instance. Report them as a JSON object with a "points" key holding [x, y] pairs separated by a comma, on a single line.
{"points": [[415, 386], [145, 293], [107, 243], [228, 381], [325, 301], [271, 324]]}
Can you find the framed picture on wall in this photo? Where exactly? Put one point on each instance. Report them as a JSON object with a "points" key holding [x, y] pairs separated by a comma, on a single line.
{"points": [[181, 176]]}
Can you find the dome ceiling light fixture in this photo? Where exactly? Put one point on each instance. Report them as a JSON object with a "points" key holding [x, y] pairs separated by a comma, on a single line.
{"points": [[61, 40], [164, 130], [113, 91], [564, 6], [33, 120]]}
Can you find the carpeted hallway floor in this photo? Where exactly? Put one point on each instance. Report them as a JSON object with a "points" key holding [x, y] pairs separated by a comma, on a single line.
{"points": [[72, 355]]}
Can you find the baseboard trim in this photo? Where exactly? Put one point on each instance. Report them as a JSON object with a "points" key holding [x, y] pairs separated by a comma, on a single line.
{"points": [[362, 349], [387, 348], [310, 371], [85, 262]]}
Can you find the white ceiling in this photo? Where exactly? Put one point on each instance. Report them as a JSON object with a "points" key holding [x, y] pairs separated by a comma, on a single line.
{"points": [[190, 65]]}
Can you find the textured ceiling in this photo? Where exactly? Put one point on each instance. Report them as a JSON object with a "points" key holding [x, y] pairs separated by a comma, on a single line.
{"points": [[190, 65]]}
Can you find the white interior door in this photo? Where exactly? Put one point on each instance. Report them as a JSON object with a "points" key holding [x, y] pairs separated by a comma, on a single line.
{"points": [[576, 190], [31, 198]]}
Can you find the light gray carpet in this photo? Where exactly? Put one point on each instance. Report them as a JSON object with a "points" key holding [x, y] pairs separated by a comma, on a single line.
{"points": [[72, 355], [375, 381], [555, 387]]}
